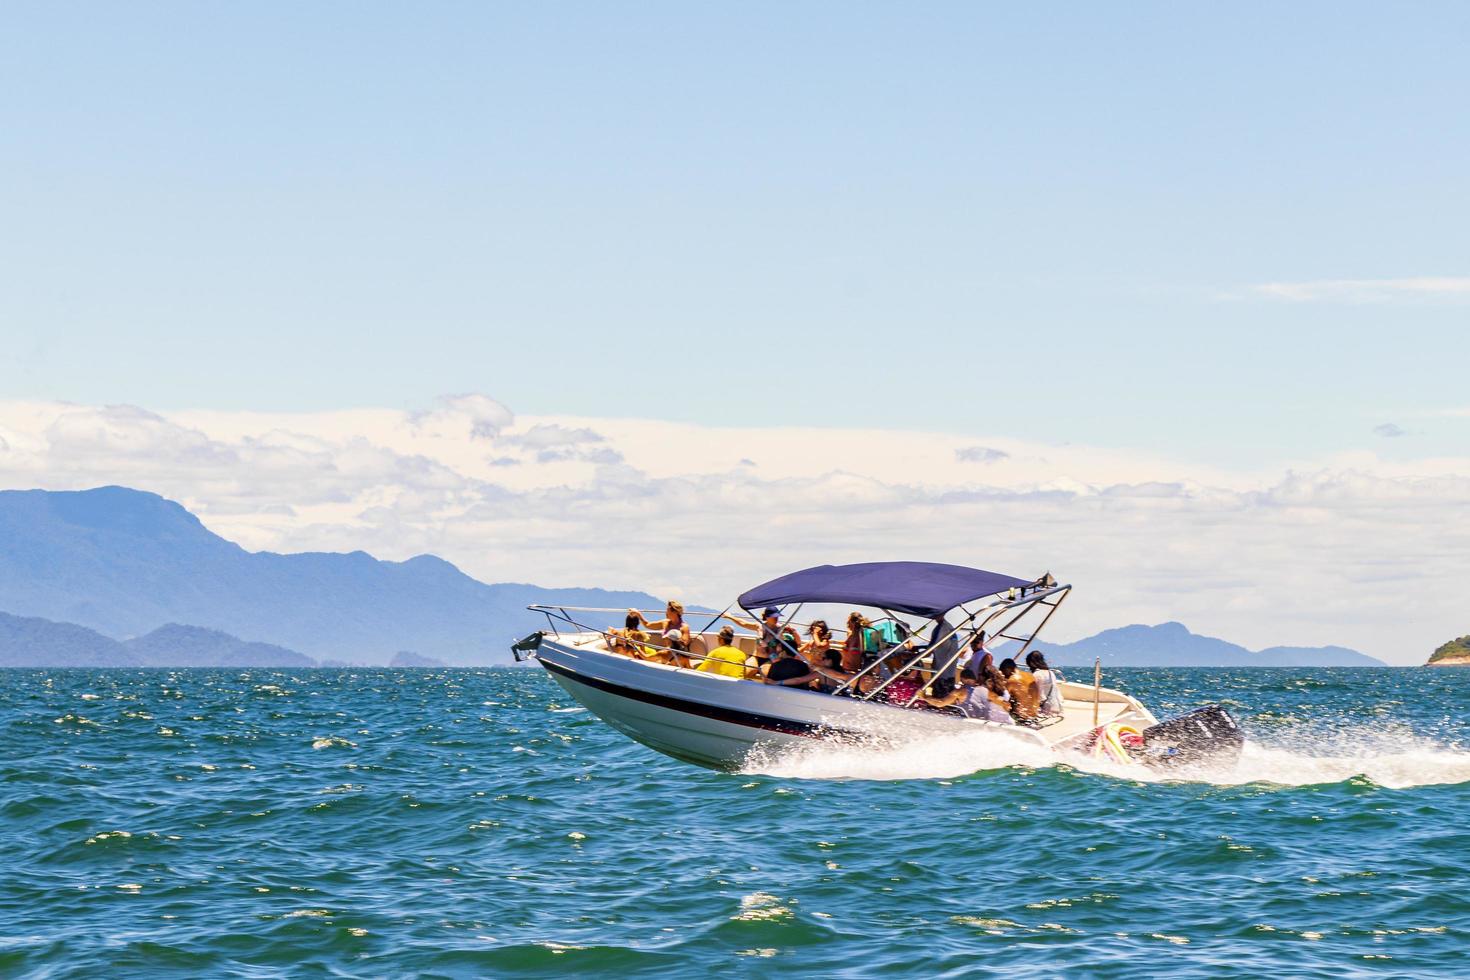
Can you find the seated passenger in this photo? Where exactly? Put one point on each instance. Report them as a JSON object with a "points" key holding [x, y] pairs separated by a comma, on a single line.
{"points": [[726, 659], [980, 658], [629, 640], [903, 688], [815, 650], [1048, 685], [666, 648], [789, 671], [1025, 699], [829, 665], [678, 644], [1000, 696], [983, 699], [673, 620]]}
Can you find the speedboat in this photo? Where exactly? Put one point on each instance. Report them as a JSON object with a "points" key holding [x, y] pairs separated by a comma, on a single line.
{"points": [[718, 721]]}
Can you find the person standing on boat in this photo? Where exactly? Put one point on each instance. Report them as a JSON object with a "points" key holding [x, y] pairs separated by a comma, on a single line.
{"points": [[773, 636], [860, 641], [673, 621], [943, 647]]}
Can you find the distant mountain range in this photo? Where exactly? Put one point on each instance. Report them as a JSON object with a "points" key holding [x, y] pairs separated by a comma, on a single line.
{"points": [[123, 563], [79, 568], [1173, 645], [34, 642]]}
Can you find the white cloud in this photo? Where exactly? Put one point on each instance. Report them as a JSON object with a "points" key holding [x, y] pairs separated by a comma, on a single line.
{"points": [[1389, 430], [1349, 549], [481, 417], [980, 454], [552, 443], [1367, 290]]}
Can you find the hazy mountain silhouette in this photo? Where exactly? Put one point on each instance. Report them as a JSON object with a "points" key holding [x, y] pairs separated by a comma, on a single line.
{"points": [[34, 642], [173, 645], [1173, 645], [28, 641], [124, 562], [407, 658]]}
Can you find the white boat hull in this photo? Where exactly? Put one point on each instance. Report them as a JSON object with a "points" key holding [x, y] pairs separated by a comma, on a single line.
{"points": [[716, 721]]}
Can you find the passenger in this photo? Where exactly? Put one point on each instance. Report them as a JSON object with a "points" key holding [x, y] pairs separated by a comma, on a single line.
{"points": [[1048, 685], [1025, 699], [773, 636], [1000, 697], [789, 670], [980, 658], [944, 646], [856, 646], [829, 665], [903, 688], [857, 682], [678, 644], [663, 649], [630, 639], [815, 650], [726, 659], [673, 620], [941, 694]]}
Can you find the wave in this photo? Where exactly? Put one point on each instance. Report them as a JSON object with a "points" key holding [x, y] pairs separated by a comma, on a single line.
{"points": [[1394, 760]]}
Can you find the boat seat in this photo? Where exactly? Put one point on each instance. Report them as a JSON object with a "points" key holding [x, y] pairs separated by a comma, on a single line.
{"points": [[699, 645]]}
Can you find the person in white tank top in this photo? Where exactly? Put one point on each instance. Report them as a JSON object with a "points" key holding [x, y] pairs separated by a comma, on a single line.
{"points": [[1048, 684]]}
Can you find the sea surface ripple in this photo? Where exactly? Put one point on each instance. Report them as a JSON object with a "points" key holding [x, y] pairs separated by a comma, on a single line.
{"points": [[367, 823]]}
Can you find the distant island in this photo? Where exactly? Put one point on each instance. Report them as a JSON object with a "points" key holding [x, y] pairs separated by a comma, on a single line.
{"points": [[125, 578], [1455, 653]]}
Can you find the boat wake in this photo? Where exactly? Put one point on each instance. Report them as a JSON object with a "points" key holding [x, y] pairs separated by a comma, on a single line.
{"points": [[1391, 760]]}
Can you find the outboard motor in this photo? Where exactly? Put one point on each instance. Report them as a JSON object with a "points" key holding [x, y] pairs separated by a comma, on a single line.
{"points": [[1206, 734]]}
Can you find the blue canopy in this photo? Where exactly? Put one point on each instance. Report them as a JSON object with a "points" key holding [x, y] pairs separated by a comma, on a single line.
{"points": [[920, 587]]}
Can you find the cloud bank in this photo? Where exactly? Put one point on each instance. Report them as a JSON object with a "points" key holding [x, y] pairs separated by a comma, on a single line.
{"points": [[1351, 549], [1367, 290]]}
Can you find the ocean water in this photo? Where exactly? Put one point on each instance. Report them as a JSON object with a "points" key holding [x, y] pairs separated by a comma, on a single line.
{"points": [[367, 823]]}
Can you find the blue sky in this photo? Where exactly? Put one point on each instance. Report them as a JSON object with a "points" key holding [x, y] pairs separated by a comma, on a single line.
{"points": [[1049, 220], [1171, 299]]}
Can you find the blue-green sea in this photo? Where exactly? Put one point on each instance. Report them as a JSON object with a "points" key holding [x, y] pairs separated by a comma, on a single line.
{"points": [[381, 823]]}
